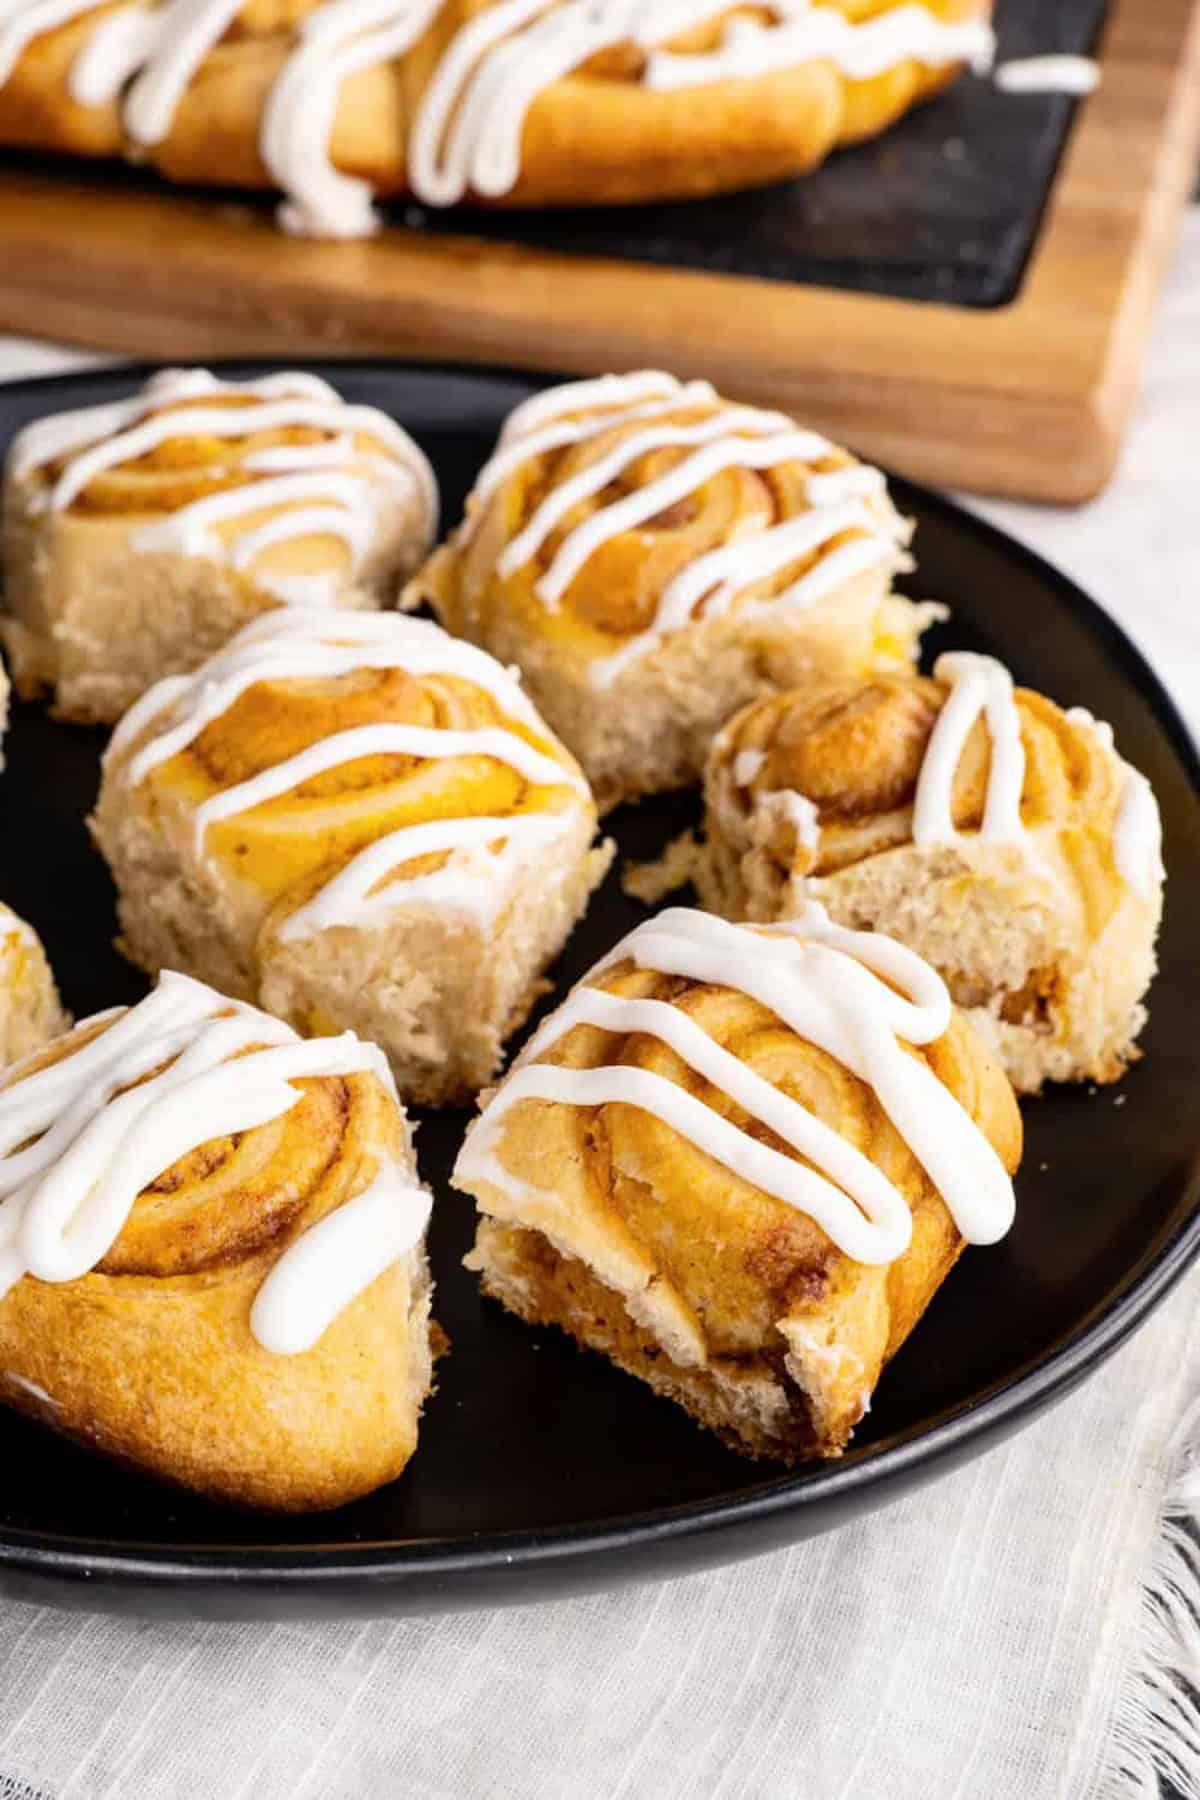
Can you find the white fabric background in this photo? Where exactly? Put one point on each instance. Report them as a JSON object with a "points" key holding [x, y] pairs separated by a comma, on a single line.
{"points": [[979, 1641]]}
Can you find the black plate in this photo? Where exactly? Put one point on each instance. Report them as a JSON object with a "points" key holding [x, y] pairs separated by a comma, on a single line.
{"points": [[945, 206], [540, 1469]]}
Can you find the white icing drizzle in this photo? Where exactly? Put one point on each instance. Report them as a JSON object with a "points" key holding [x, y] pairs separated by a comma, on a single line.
{"points": [[979, 685], [855, 995], [23, 20], [120, 45], [1048, 75], [1137, 832], [332, 1262], [812, 33], [746, 765], [732, 436], [81, 1138], [1137, 837], [325, 644], [467, 133], [328, 489], [335, 41]]}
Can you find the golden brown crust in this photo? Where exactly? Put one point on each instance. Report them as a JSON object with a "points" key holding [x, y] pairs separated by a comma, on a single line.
{"points": [[597, 136], [150, 1357], [715, 1292]]}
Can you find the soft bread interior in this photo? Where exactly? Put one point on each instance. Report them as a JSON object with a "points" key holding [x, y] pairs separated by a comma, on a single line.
{"points": [[1053, 1003], [748, 1401]]}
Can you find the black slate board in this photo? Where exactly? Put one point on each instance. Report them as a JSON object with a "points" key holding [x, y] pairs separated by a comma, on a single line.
{"points": [[946, 206]]}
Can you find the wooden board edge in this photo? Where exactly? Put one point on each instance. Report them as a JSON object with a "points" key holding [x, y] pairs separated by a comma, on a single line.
{"points": [[1029, 400]]}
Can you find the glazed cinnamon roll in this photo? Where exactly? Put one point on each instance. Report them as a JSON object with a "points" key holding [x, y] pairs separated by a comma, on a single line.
{"points": [[139, 536], [207, 1229], [653, 556], [30, 1010], [523, 102], [1001, 838], [353, 819], [740, 1161]]}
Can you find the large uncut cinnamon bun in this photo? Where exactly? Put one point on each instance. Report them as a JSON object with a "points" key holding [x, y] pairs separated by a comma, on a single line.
{"points": [[1001, 838], [740, 1161], [30, 1010], [353, 820], [524, 102], [653, 556], [139, 536], [211, 1251]]}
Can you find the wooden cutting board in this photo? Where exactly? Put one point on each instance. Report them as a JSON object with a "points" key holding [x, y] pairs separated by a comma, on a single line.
{"points": [[1030, 398]]}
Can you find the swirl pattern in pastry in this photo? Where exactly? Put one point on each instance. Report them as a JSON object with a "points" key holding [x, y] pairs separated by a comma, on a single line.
{"points": [[140, 534], [205, 1224], [529, 101], [353, 819], [652, 555], [740, 1159], [1002, 838]]}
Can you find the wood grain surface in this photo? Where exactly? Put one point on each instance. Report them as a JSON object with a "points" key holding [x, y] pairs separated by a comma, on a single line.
{"points": [[1030, 399]]}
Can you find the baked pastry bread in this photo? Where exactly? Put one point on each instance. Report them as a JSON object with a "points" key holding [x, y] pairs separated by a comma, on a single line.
{"points": [[653, 556], [30, 1010], [207, 1229], [524, 102], [139, 536], [353, 820], [999, 837], [740, 1161]]}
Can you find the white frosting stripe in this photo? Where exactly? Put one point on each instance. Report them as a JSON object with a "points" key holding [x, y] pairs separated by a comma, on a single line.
{"points": [[185, 32], [320, 644], [1137, 832], [378, 740], [23, 20], [1076, 75], [331, 488], [331, 1263], [466, 883], [467, 133], [853, 994], [979, 686], [481, 852], [81, 1139], [1137, 837], [811, 33], [839, 501], [335, 41], [720, 444]]}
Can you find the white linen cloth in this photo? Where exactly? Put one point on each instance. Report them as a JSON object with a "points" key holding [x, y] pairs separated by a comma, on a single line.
{"points": [[1023, 1630]]}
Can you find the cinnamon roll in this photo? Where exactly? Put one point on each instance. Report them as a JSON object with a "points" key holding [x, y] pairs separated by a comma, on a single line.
{"points": [[30, 1010], [207, 1229], [139, 536], [353, 819], [1001, 838], [740, 1161], [522, 102], [653, 556]]}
